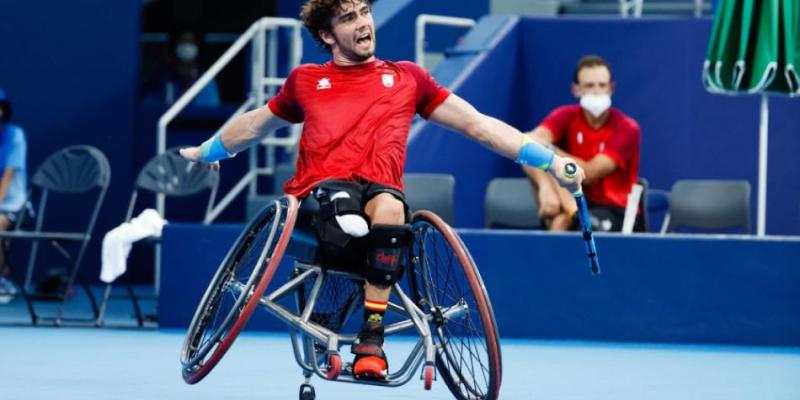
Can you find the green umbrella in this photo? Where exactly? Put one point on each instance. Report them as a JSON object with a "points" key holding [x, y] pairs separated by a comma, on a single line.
{"points": [[755, 48]]}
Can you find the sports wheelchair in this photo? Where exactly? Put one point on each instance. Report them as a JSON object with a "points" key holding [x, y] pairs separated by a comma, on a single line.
{"points": [[441, 297]]}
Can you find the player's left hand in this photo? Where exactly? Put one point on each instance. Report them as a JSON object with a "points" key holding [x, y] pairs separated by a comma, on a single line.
{"points": [[194, 154], [557, 168]]}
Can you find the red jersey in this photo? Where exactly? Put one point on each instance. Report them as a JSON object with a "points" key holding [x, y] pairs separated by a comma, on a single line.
{"points": [[356, 119], [618, 139]]}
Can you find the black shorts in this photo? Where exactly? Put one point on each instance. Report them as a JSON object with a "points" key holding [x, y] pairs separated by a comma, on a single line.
{"points": [[368, 190]]}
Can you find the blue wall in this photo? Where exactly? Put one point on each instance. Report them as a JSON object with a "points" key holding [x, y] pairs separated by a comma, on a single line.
{"points": [[71, 69], [686, 132], [490, 56], [700, 289]]}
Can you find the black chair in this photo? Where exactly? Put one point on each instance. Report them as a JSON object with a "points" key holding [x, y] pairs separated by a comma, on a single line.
{"points": [[170, 175], [709, 205], [65, 179], [432, 192], [511, 203]]}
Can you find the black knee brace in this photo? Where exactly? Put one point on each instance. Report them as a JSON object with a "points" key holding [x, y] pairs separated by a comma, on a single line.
{"points": [[328, 229], [388, 253]]}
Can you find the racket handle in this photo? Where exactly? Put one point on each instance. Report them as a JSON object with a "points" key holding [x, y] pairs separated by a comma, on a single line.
{"points": [[570, 169]]}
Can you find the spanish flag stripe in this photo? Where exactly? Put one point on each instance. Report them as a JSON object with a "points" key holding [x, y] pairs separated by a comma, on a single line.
{"points": [[375, 305]]}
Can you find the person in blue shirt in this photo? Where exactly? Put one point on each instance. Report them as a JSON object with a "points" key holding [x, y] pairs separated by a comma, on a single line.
{"points": [[13, 183]]}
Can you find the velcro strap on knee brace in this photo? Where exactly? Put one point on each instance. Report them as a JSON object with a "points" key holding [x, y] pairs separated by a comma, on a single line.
{"points": [[341, 206], [328, 229], [388, 254]]}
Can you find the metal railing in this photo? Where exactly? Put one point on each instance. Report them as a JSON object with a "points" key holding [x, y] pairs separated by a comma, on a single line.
{"points": [[264, 58], [633, 8], [628, 8], [426, 19]]}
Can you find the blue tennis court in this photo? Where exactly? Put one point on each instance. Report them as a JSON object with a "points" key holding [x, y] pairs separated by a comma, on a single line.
{"points": [[50, 363]]}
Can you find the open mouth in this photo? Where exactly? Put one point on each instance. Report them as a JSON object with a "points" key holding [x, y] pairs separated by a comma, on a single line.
{"points": [[364, 38]]}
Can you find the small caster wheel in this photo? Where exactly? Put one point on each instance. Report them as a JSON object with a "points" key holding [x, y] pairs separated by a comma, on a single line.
{"points": [[427, 376], [334, 366], [307, 392]]}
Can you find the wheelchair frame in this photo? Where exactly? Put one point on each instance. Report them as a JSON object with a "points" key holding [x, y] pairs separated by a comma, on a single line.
{"points": [[303, 331], [316, 347]]}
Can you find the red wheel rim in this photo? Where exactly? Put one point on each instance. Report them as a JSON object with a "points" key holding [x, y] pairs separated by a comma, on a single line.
{"points": [[476, 283], [254, 299]]}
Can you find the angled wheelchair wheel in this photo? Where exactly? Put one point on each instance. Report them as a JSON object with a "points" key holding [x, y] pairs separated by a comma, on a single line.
{"points": [[445, 282], [237, 288]]}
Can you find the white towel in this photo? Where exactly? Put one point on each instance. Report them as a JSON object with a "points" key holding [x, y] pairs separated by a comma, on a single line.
{"points": [[117, 242]]}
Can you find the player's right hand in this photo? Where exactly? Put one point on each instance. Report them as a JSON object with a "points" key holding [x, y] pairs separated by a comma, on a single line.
{"points": [[557, 168], [194, 154]]}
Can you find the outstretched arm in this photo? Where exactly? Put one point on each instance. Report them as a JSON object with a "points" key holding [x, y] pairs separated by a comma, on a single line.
{"points": [[455, 113], [244, 131]]}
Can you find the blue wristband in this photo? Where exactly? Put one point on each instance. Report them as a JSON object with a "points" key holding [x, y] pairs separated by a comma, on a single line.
{"points": [[534, 154], [212, 150]]}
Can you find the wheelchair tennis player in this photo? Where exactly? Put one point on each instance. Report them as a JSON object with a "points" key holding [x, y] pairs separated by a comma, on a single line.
{"points": [[357, 111]]}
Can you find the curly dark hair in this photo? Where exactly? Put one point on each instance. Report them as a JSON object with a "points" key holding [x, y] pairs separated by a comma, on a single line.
{"points": [[317, 15]]}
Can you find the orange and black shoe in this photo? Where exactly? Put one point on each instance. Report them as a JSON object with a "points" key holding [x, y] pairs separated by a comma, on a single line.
{"points": [[370, 362]]}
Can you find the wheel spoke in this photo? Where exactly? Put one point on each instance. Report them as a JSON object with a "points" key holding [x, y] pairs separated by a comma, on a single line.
{"points": [[228, 301], [440, 276]]}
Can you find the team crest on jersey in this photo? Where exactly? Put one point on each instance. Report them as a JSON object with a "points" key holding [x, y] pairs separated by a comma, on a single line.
{"points": [[388, 80], [324, 83]]}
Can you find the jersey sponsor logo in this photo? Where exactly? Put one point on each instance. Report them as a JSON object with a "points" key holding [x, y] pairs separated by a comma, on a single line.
{"points": [[580, 137], [324, 83], [388, 80]]}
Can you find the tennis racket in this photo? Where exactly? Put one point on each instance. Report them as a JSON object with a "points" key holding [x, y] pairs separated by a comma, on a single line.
{"points": [[583, 216]]}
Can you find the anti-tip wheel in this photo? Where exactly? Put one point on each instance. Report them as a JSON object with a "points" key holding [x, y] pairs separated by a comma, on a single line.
{"points": [[334, 366], [427, 372]]}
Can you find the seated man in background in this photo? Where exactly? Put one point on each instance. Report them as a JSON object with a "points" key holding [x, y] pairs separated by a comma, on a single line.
{"points": [[603, 140], [13, 184]]}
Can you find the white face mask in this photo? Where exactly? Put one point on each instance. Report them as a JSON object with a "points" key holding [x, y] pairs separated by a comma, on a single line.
{"points": [[186, 52], [596, 104]]}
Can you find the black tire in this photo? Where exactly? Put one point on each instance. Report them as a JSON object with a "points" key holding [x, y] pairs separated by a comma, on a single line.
{"points": [[250, 265], [442, 275]]}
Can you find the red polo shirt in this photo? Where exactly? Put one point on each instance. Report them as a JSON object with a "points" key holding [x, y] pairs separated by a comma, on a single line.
{"points": [[618, 139]]}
